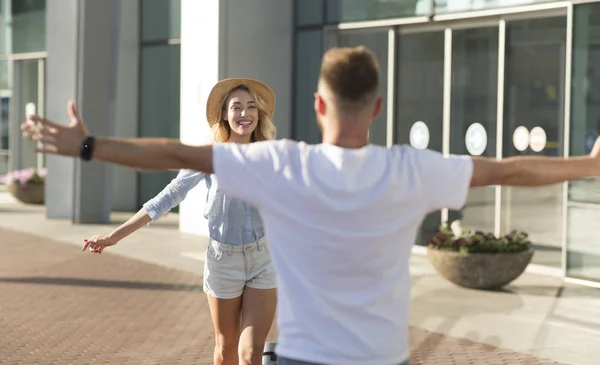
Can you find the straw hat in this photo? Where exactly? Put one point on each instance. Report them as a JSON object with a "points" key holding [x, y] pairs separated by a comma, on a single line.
{"points": [[223, 87]]}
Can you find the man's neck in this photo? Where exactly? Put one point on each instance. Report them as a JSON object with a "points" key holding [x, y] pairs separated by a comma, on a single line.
{"points": [[345, 137]]}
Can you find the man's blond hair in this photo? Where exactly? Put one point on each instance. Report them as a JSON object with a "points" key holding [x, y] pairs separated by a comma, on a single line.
{"points": [[352, 76]]}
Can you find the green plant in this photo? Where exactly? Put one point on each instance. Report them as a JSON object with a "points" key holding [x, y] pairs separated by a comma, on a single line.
{"points": [[457, 239]]}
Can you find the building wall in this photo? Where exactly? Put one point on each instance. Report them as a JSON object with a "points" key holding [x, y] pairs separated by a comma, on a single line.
{"points": [[221, 39]]}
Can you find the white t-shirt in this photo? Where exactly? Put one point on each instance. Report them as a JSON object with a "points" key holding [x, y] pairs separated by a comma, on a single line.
{"points": [[340, 225]]}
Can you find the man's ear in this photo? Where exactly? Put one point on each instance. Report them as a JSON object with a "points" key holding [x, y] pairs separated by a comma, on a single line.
{"points": [[378, 107], [320, 105]]}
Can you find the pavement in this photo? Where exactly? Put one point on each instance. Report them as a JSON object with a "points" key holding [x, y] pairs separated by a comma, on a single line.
{"points": [[142, 303]]}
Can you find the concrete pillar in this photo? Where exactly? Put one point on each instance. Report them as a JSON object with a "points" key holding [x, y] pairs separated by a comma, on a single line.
{"points": [[124, 191], [81, 38], [221, 39]]}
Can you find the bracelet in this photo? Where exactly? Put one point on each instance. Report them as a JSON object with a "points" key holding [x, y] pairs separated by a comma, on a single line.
{"points": [[87, 148]]}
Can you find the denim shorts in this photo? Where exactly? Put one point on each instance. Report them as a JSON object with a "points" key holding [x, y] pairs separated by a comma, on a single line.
{"points": [[230, 268]]}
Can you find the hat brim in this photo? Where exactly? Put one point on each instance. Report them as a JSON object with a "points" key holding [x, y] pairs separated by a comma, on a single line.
{"points": [[223, 87]]}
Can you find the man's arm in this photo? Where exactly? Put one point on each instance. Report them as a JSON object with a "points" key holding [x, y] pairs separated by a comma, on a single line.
{"points": [[143, 153], [154, 154], [530, 171]]}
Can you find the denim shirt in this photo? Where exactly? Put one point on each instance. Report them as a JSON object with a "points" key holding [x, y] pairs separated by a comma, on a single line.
{"points": [[230, 220]]}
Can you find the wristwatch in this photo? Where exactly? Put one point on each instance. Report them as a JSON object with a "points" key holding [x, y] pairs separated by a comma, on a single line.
{"points": [[87, 148]]}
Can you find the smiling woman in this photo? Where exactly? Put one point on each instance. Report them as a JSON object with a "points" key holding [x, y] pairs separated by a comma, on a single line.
{"points": [[245, 113], [238, 266]]}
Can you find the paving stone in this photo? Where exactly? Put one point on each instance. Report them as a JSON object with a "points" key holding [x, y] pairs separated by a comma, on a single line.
{"points": [[61, 306]]}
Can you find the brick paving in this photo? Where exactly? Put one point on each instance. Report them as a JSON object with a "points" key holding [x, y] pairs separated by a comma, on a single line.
{"points": [[61, 306]]}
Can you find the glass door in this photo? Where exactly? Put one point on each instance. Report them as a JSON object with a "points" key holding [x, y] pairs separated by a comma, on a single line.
{"points": [[473, 115], [420, 101], [534, 125], [28, 93]]}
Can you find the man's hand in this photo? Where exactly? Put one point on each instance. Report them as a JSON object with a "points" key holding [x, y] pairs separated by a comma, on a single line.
{"points": [[56, 139]]}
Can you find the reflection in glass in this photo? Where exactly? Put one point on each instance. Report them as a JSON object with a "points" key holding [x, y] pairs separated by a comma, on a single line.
{"points": [[583, 250], [28, 25], [473, 105], [4, 75], [159, 107], [5, 36], [309, 48], [534, 90], [161, 19], [420, 76], [4, 118], [583, 255], [378, 43], [355, 10], [25, 97], [585, 110], [449, 6]]}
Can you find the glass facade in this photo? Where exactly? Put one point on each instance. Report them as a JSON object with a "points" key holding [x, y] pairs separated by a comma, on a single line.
{"points": [[357, 10], [160, 77], [419, 100], [534, 102], [159, 107], [28, 23], [161, 20], [453, 6], [312, 12], [473, 108], [308, 50], [583, 203], [309, 12], [22, 31], [448, 76]]}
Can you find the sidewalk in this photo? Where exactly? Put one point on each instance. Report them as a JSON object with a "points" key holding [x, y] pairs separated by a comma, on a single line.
{"points": [[135, 305]]}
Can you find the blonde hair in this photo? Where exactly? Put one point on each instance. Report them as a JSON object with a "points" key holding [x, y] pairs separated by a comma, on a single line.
{"points": [[265, 130]]}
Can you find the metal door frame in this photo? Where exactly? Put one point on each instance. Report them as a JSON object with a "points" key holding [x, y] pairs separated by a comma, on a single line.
{"points": [[17, 116]]}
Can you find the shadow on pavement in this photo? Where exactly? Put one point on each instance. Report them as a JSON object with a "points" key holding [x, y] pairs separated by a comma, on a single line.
{"points": [[103, 283]]}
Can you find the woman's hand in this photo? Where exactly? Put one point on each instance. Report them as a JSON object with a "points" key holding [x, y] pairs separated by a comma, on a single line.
{"points": [[97, 244]]}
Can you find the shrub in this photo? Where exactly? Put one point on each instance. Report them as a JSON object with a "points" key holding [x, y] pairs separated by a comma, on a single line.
{"points": [[457, 239]]}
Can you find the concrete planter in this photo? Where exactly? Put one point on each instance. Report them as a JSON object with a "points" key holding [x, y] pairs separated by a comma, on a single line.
{"points": [[479, 270], [28, 193]]}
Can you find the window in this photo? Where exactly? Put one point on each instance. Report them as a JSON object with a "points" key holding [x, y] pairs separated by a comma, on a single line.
{"points": [[161, 20], [583, 252], [159, 107], [308, 53], [309, 12], [28, 26], [356, 10]]}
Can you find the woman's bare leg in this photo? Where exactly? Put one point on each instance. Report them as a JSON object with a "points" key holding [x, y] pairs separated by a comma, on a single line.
{"points": [[258, 311], [225, 315]]}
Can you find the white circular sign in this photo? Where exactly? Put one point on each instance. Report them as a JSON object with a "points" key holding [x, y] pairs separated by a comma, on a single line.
{"points": [[476, 139], [537, 139], [521, 138], [29, 109], [419, 135]]}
